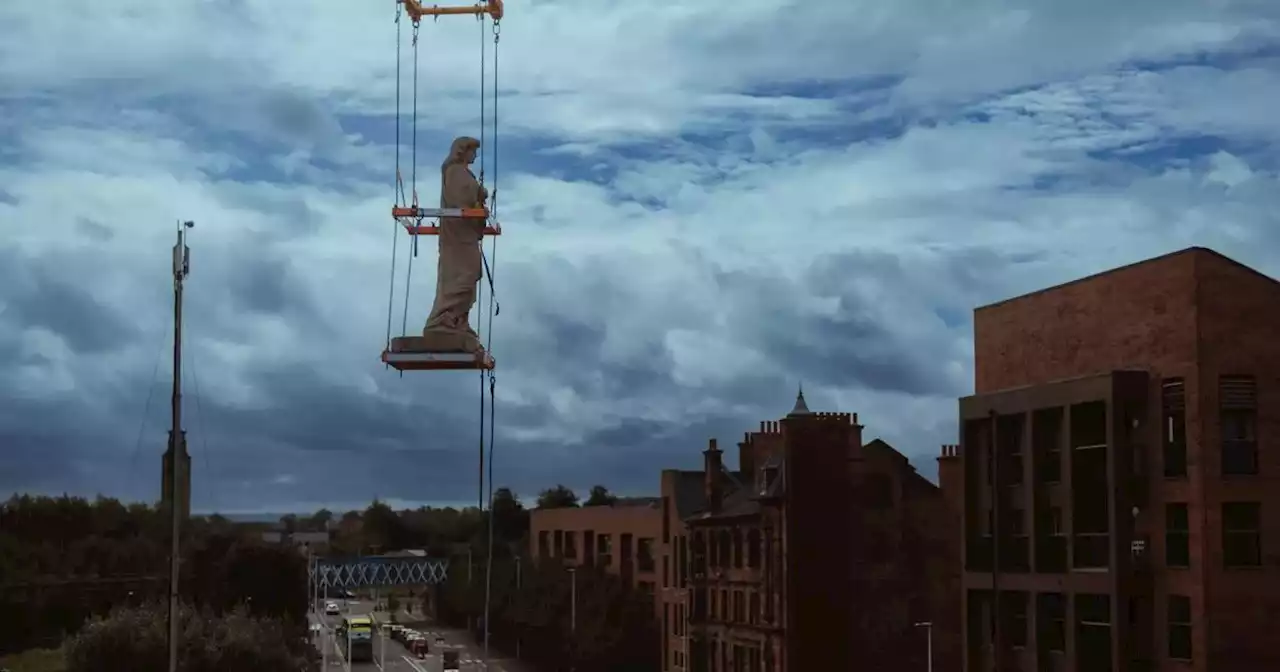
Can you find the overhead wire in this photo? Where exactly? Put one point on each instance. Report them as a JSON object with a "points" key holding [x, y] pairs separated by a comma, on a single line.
{"points": [[146, 407]]}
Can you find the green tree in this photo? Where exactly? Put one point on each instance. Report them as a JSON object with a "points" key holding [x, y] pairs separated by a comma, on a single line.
{"points": [[319, 521], [559, 497], [600, 497], [134, 639], [383, 529]]}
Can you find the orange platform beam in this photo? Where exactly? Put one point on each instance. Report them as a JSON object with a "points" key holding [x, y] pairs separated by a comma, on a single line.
{"points": [[423, 213], [417, 10], [438, 361], [434, 229]]}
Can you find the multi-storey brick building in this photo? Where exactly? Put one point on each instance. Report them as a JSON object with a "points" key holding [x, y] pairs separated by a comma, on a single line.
{"points": [[813, 554], [1130, 518], [621, 538]]}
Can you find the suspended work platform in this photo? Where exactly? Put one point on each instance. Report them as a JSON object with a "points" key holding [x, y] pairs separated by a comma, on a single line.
{"points": [[412, 353], [417, 10], [411, 219]]}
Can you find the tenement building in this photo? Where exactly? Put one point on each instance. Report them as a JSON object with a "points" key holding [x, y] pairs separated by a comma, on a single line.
{"points": [[817, 552], [1119, 470]]}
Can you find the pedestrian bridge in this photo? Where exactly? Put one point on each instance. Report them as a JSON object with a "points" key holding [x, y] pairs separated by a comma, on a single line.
{"points": [[376, 572]]}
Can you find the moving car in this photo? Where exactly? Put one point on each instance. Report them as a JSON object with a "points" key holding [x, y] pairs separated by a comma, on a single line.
{"points": [[417, 645], [331, 609]]}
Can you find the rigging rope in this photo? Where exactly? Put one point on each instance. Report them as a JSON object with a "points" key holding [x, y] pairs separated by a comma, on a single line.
{"points": [[398, 196], [480, 294], [413, 181], [493, 309]]}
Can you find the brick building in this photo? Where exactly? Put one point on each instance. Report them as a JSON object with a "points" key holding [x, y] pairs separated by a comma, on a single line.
{"points": [[818, 552], [1131, 517], [621, 539]]}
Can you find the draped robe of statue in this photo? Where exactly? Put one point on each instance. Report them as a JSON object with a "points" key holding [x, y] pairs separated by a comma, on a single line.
{"points": [[459, 268]]}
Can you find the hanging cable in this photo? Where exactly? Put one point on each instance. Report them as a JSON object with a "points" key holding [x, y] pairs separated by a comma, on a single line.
{"points": [[480, 296], [413, 181], [483, 79], [398, 196], [146, 407], [493, 308]]}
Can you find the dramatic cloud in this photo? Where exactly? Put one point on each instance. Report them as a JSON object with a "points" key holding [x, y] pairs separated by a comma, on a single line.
{"points": [[703, 208]]}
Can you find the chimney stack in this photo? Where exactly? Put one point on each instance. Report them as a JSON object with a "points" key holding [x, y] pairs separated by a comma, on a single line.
{"points": [[712, 482]]}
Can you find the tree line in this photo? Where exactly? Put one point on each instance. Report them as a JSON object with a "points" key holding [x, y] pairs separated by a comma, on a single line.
{"points": [[68, 563]]}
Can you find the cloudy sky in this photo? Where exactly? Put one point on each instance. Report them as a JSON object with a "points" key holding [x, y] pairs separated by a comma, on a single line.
{"points": [[704, 205]]}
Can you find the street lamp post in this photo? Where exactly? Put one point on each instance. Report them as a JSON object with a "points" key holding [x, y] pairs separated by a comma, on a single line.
{"points": [[928, 627], [518, 631], [324, 628], [573, 614]]}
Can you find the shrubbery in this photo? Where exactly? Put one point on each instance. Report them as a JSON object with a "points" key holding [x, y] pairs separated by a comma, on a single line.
{"points": [[135, 639]]}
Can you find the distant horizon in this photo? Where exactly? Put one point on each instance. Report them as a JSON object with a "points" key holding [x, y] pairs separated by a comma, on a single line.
{"points": [[337, 510]]}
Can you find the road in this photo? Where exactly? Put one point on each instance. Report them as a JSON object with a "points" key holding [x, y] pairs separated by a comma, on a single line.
{"points": [[397, 658]]}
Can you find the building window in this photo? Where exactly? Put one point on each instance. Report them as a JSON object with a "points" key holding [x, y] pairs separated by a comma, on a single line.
{"points": [[753, 548], [1015, 622], [700, 606], [559, 543], [682, 561], [1238, 417], [1241, 534], [737, 548], [544, 545], [604, 549], [1010, 433], [666, 635], [644, 554], [699, 553], [753, 608], [1051, 621], [1174, 404], [571, 545], [723, 539], [646, 589], [1177, 535], [666, 520], [1179, 627], [1046, 443], [1055, 522], [666, 571]]}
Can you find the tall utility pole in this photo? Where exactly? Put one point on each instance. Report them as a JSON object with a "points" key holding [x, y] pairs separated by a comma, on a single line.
{"points": [[177, 442]]}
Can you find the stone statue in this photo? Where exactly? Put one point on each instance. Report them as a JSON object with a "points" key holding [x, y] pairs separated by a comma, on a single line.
{"points": [[459, 268]]}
